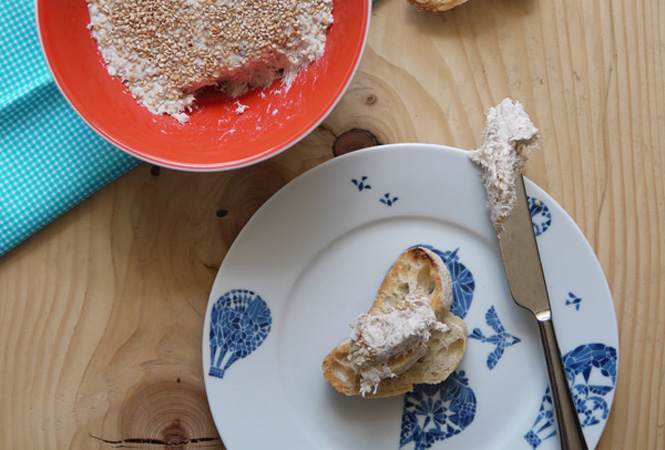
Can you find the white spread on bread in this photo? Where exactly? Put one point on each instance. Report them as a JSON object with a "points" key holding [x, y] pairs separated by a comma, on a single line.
{"points": [[509, 136], [403, 331], [164, 51]]}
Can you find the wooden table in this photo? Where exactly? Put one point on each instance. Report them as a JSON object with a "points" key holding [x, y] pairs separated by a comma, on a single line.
{"points": [[101, 312]]}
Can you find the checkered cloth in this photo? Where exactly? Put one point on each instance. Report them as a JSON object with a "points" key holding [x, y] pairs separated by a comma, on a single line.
{"points": [[49, 158]]}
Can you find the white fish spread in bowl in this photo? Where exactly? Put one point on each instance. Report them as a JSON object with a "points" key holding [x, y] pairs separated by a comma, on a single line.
{"points": [[165, 51]]}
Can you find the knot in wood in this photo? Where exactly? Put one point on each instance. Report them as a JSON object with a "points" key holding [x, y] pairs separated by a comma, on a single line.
{"points": [[353, 140], [174, 435]]}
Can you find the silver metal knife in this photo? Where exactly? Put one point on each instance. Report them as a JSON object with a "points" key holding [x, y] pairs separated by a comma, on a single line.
{"points": [[521, 259]]}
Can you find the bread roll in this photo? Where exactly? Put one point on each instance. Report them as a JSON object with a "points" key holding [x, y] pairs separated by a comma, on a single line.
{"points": [[435, 5]]}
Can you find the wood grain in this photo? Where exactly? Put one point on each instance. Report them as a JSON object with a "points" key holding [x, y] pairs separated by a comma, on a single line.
{"points": [[101, 312]]}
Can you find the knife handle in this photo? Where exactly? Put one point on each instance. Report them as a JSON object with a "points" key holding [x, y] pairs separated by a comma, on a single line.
{"points": [[569, 428]]}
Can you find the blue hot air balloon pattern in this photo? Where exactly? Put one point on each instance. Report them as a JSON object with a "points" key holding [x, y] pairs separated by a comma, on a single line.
{"points": [[240, 321]]}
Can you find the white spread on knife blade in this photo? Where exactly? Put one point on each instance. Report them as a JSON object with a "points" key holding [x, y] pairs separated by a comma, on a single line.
{"points": [[509, 136], [376, 339]]}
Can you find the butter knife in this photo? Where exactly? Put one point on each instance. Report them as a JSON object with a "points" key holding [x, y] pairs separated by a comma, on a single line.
{"points": [[521, 259]]}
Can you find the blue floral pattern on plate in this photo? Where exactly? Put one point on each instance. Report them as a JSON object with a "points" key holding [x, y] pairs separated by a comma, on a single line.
{"points": [[432, 413], [361, 184], [501, 339], [388, 199], [240, 321], [581, 364], [573, 300]]}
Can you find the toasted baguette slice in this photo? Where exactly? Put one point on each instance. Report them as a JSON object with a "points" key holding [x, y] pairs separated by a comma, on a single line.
{"points": [[435, 5], [421, 272]]}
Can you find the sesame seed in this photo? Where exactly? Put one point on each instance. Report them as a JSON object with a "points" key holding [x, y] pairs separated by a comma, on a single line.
{"points": [[166, 50]]}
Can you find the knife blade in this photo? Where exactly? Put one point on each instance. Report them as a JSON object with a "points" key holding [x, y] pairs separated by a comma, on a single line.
{"points": [[521, 260]]}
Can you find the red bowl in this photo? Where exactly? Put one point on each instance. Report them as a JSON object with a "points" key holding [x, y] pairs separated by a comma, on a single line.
{"points": [[216, 137]]}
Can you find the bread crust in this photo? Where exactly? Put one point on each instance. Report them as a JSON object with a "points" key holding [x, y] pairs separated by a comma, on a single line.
{"points": [[435, 5], [421, 272]]}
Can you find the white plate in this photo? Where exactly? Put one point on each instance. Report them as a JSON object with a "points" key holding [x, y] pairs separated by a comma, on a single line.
{"points": [[311, 260]]}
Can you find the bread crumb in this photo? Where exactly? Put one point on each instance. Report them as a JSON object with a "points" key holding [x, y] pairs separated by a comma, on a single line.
{"points": [[240, 108]]}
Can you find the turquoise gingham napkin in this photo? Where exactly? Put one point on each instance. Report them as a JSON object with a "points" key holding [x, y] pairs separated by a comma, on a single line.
{"points": [[50, 159]]}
